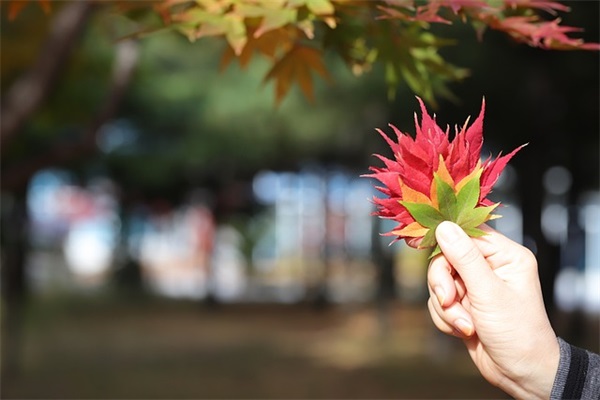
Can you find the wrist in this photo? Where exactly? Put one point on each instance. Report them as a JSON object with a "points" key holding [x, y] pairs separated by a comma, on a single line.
{"points": [[535, 378]]}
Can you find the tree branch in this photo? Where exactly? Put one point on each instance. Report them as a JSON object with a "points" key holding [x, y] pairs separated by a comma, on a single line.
{"points": [[28, 93], [127, 55]]}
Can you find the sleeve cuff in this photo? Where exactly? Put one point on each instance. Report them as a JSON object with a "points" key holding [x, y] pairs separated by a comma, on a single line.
{"points": [[572, 374]]}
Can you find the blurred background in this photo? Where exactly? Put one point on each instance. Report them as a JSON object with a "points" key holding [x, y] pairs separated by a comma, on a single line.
{"points": [[204, 242]]}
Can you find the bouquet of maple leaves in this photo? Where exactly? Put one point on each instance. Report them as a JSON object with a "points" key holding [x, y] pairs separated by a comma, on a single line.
{"points": [[433, 179]]}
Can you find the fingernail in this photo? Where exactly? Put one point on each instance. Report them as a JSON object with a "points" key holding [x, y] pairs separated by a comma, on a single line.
{"points": [[440, 294], [464, 326], [448, 232]]}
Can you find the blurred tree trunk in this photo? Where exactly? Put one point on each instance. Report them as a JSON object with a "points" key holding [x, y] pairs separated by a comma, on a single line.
{"points": [[21, 101], [319, 294], [128, 274], [14, 238], [548, 255], [386, 281], [531, 185]]}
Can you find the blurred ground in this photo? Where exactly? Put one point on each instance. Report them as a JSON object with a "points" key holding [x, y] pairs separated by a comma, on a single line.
{"points": [[106, 350]]}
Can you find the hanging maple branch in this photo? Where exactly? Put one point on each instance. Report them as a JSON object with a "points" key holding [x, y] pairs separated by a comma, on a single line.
{"points": [[393, 33], [513, 17]]}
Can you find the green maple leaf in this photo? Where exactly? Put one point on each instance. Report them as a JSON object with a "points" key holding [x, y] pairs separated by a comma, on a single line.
{"points": [[460, 208]]}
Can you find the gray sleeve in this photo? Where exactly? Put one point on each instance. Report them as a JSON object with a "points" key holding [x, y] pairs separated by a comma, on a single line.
{"points": [[578, 375], [563, 370], [592, 385]]}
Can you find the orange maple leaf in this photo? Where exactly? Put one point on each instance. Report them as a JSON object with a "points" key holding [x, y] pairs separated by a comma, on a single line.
{"points": [[267, 44], [296, 66]]}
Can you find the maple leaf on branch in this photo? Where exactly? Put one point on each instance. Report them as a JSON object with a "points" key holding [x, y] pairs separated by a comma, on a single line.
{"points": [[546, 34], [267, 44], [514, 17], [547, 5], [296, 66]]}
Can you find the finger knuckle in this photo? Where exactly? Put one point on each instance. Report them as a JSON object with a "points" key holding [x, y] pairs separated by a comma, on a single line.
{"points": [[469, 255]]}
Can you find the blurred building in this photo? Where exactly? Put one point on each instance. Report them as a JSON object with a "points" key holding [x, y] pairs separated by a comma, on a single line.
{"points": [[311, 235]]}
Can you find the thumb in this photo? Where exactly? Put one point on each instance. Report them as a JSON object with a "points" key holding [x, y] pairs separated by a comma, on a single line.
{"points": [[466, 258]]}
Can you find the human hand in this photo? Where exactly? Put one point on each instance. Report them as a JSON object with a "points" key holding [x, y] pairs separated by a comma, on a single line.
{"points": [[486, 291]]}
